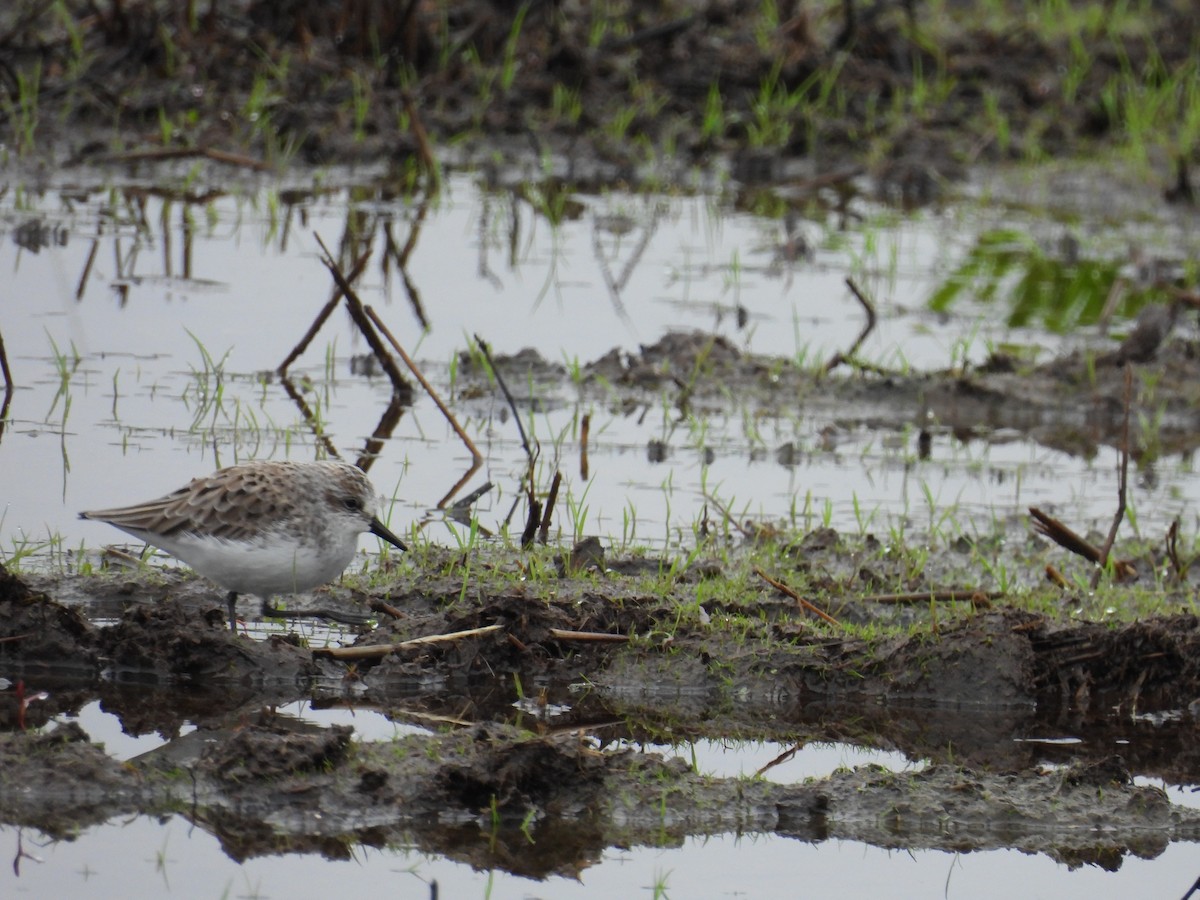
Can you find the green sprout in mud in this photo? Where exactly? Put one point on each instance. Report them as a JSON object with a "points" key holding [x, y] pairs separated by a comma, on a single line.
{"points": [[49, 551], [617, 124], [508, 72], [628, 525], [1156, 106], [23, 114], [861, 517], [578, 510], [997, 122], [713, 125], [360, 101], [1150, 434], [1131, 516], [766, 27], [772, 111], [566, 105], [997, 572]]}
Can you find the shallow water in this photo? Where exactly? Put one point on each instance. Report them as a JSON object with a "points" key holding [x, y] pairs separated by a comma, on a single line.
{"points": [[136, 336], [140, 335]]}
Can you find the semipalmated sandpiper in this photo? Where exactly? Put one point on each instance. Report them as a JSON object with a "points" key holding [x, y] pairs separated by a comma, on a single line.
{"points": [[261, 528]]}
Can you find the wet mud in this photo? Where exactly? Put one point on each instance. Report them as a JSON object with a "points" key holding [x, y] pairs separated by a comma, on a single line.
{"points": [[532, 718]]}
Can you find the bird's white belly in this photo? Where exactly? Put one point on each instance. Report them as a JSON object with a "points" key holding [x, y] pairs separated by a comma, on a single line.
{"points": [[271, 565]]}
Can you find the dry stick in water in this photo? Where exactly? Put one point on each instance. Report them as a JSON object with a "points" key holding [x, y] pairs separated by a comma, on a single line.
{"points": [[401, 258], [323, 315], [465, 502], [512, 404], [551, 499], [387, 424], [584, 428], [87, 269], [307, 413], [4, 369], [781, 758], [780, 586], [729, 517], [476, 456], [1122, 480], [358, 314], [838, 358], [534, 520]]}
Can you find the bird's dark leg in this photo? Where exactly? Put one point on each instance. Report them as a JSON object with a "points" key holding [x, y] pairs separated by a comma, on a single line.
{"points": [[231, 599]]}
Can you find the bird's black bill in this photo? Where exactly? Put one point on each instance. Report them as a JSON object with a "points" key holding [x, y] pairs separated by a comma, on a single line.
{"points": [[380, 530]]}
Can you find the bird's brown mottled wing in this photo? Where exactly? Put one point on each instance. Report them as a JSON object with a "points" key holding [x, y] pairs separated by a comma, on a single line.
{"points": [[232, 504]]}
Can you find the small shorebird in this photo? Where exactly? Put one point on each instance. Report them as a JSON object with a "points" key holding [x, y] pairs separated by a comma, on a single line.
{"points": [[261, 528]]}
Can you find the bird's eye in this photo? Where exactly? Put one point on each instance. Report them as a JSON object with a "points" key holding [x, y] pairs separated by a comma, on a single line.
{"points": [[354, 504]]}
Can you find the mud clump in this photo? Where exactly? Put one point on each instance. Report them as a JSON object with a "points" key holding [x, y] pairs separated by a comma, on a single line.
{"points": [[161, 640], [36, 631], [557, 776], [167, 640], [269, 750]]}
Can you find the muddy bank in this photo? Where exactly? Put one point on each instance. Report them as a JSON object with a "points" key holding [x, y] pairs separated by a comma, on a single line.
{"points": [[626, 641], [529, 699]]}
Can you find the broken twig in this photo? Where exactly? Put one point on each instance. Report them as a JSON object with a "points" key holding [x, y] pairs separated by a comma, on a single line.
{"points": [[838, 358], [1178, 568], [1122, 481], [358, 314], [355, 271], [560, 634], [585, 426], [780, 586], [548, 513], [167, 153], [947, 596], [1048, 526], [512, 404], [379, 651], [476, 456], [8, 381]]}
